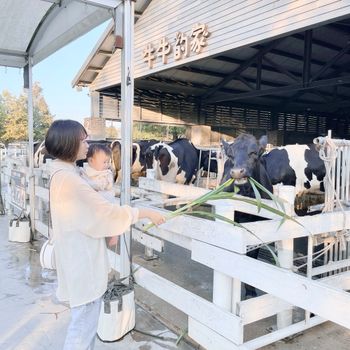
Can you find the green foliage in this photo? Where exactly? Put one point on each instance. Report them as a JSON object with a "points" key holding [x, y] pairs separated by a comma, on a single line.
{"points": [[219, 194], [147, 131], [14, 116]]}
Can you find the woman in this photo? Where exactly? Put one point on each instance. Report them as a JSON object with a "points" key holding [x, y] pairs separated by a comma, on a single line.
{"points": [[81, 218]]}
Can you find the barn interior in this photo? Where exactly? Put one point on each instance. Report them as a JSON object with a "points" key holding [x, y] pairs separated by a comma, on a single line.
{"points": [[292, 88]]}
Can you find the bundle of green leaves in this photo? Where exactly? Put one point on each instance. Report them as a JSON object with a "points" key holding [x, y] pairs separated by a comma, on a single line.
{"points": [[219, 194]]}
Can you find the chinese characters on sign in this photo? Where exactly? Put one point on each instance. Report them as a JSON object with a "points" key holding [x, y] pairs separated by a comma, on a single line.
{"points": [[183, 45]]}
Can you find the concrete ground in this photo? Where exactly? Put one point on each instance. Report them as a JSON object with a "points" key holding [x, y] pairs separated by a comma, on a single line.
{"points": [[32, 319]]}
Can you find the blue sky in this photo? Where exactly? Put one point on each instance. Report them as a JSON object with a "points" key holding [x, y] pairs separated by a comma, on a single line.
{"points": [[55, 75]]}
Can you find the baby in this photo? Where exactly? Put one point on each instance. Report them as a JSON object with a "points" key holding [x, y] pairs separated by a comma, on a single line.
{"points": [[97, 169], [98, 174]]}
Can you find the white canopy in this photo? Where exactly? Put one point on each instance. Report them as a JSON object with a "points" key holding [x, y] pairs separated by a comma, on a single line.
{"points": [[38, 28]]}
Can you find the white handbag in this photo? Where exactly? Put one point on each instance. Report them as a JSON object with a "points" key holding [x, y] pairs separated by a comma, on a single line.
{"points": [[117, 316], [47, 255]]}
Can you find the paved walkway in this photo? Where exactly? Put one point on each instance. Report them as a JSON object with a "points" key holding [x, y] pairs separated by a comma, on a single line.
{"points": [[32, 319]]}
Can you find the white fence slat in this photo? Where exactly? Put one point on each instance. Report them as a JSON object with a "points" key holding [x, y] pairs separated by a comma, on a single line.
{"points": [[267, 339], [42, 193], [181, 241], [42, 228], [187, 302], [295, 289], [147, 240], [198, 308], [331, 266], [207, 338], [316, 224], [194, 306], [263, 306]]}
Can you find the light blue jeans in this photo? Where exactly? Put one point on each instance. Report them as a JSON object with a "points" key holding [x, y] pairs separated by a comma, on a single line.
{"points": [[82, 328]]}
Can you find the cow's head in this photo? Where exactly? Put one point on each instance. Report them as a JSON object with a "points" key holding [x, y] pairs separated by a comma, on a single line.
{"points": [[243, 161], [163, 157], [151, 154]]}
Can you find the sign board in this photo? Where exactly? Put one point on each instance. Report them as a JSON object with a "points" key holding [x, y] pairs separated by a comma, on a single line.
{"points": [[179, 47], [18, 189]]}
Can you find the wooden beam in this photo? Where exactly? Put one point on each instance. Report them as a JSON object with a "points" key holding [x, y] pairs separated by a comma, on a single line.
{"points": [[331, 62], [285, 89], [241, 68]]}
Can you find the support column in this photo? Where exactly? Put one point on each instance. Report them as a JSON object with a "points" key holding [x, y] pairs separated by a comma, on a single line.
{"points": [[222, 284], [227, 290], [127, 101], [285, 250], [28, 84]]}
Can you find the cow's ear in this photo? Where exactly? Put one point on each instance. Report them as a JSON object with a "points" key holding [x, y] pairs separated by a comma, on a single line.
{"points": [[262, 144], [226, 145]]}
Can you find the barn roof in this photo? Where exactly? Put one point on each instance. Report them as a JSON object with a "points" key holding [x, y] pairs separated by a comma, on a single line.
{"points": [[306, 70]]}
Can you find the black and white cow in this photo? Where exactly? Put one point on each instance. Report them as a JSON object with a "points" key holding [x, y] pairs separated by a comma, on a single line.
{"points": [[293, 165], [243, 160], [173, 162], [138, 167]]}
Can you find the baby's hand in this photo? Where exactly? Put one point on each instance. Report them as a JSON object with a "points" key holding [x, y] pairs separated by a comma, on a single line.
{"points": [[112, 241]]}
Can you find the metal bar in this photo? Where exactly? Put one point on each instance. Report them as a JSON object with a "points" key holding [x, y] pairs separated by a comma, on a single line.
{"points": [[127, 100], [347, 173], [307, 57], [108, 4], [13, 53], [337, 172], [331, 62], [281, 69], [259, 72], [29, 79]]}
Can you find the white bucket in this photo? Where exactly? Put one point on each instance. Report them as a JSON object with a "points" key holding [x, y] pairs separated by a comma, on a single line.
{"points": [[47, 256], [114, 325], [19, 231]]}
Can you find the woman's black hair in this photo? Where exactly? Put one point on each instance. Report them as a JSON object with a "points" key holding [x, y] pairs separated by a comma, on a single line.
{"points": [[63, 138], [98, 147]]}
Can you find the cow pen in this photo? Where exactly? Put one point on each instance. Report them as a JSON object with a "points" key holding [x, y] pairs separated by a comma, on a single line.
{"points": [[221, 323]]}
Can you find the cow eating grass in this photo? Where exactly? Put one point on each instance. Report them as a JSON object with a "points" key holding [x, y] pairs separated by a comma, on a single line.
{"points": [[293, 165]]}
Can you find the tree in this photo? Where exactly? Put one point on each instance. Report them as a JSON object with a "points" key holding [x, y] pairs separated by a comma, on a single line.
{"points": [[2, 117], [14, 116]]}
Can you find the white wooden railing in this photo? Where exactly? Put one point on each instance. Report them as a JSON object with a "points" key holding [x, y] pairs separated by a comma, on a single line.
{"points": [[221, 324]]}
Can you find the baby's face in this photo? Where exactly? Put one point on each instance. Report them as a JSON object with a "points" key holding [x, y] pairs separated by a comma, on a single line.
{"points": [[100, 161]]}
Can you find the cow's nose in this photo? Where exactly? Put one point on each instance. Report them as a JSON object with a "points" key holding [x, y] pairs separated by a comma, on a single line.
{"points": [[237, 173]]}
